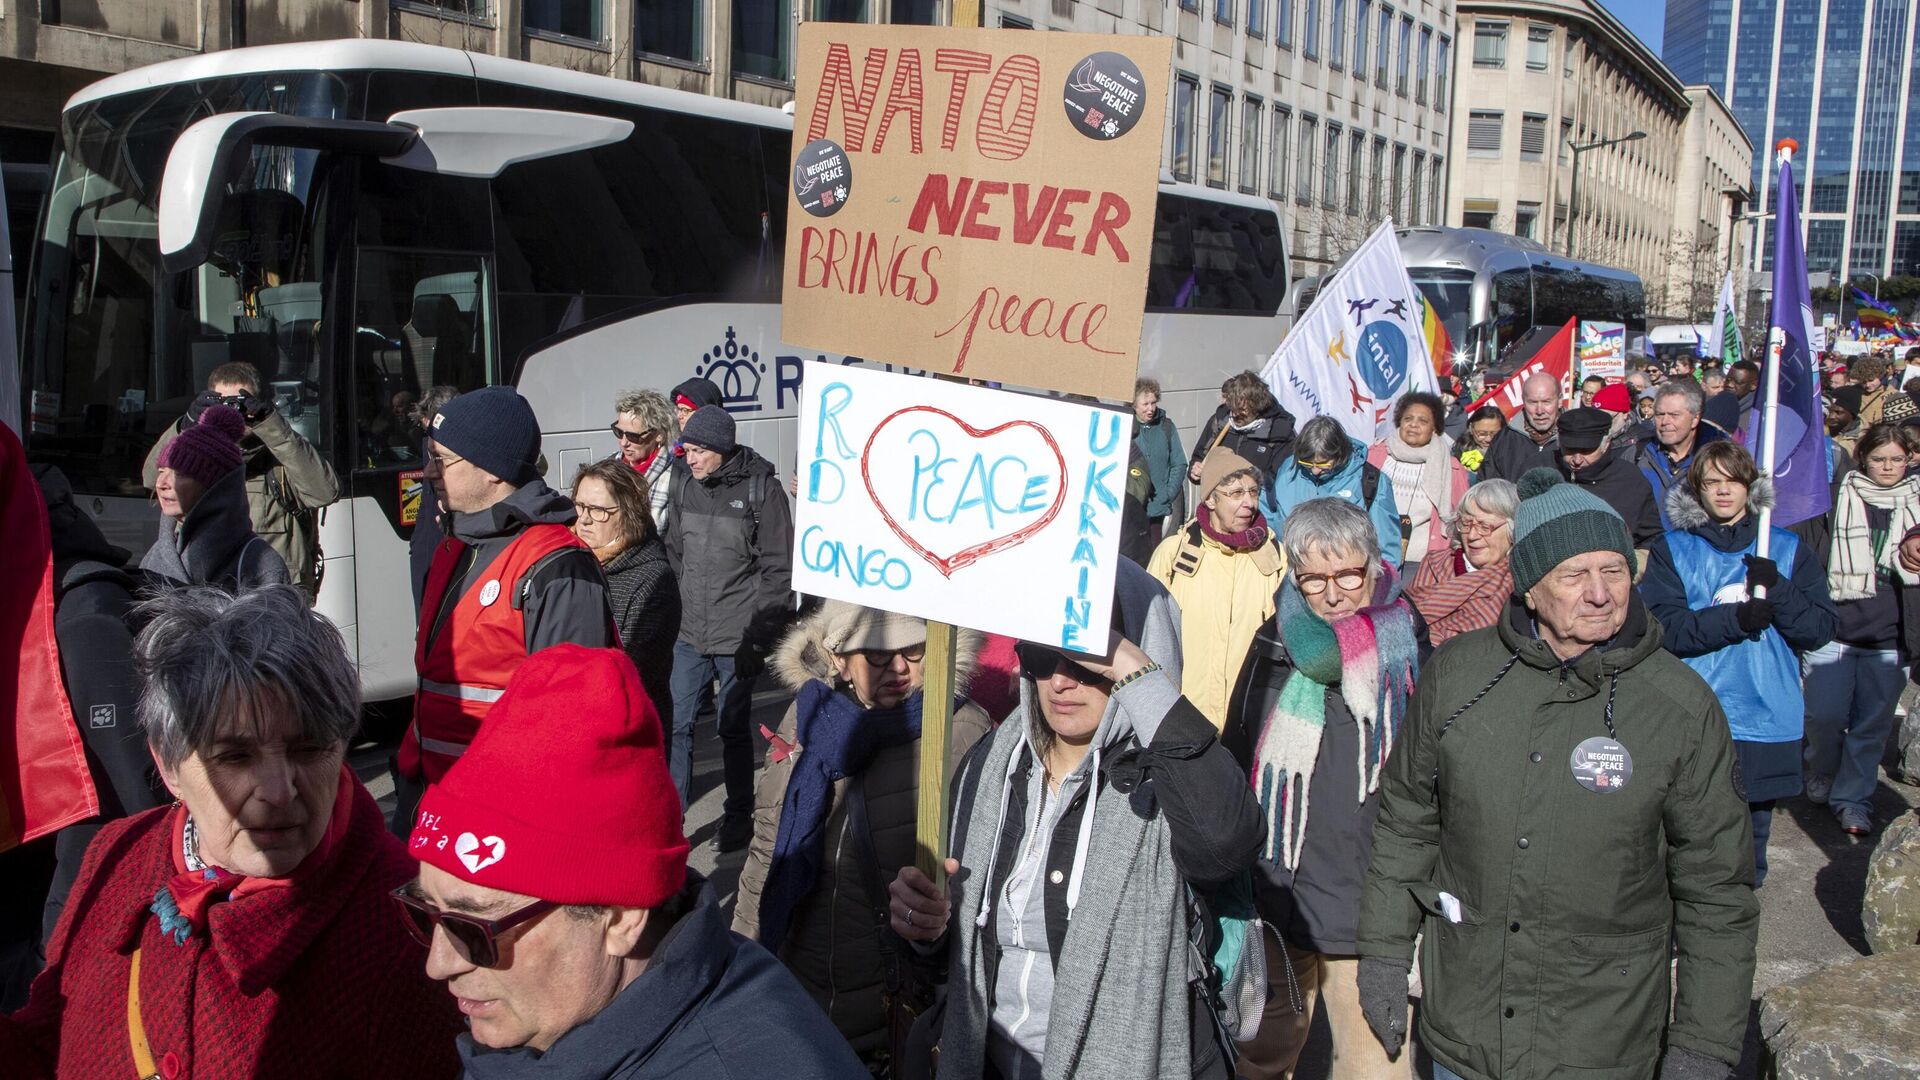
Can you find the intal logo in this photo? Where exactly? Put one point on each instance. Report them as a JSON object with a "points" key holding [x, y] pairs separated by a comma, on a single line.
{"points": [[736, 370]]}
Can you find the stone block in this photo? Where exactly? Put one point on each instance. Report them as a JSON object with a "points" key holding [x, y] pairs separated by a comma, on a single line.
{"points": [[1890, 904], [1855, 1020]]}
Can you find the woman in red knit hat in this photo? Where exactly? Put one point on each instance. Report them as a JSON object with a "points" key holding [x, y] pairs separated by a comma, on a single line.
{"points": [[243, 931]]}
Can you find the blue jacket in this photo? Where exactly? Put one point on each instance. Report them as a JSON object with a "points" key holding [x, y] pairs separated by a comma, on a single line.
{"points": [[1694, 585], [1159, 442], [1662, 472], [1293, 485], [711, 1005]]}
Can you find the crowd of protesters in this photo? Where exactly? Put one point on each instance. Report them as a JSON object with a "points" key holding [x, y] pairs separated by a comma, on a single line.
{"points": [[1492, 714]]}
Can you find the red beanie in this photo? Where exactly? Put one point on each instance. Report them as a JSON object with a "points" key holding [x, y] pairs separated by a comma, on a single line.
{"points": [[564, 794], [1614, 398]]}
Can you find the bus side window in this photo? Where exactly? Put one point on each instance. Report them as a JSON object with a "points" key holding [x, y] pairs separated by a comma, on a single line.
{"points": [[1170, 281], [421, 321]]}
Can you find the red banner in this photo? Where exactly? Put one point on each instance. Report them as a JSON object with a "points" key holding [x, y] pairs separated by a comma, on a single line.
{"points": [[1555, 358], [44, 783]]}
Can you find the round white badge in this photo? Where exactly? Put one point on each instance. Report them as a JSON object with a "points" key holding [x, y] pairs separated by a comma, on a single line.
{"points": [[490, 592]]}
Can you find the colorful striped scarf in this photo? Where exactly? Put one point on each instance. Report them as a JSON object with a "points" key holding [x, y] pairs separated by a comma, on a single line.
{"points": [[1372, 657]]}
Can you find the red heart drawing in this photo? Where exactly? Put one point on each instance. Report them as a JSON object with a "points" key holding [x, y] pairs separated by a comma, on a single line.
{"points": [[966, 556]]}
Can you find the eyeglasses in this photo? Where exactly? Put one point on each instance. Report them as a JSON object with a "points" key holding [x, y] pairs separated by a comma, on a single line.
{"points": [[1316, 466], [594, 514], [1238, 492], [1475, 527], [641, 438], [1348, 579], [444, 463], [479, 939], [1039, 663], [881, 658]]}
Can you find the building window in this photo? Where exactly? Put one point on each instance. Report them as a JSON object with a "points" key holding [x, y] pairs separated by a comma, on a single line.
{"points": [[1416, 184], [1533, 137], [1490, 44], [1362, 16], [1356, 153], [1384, 48], [1219, 135], [1566, 141], [1436, 192], [1283, 23], [1062, 9], [476, 10], [1222, 11], [1440, 69], [1257, 18], [1425, 68], [572, 18], [919, 13], [1250, 146], [1337, 52], [1396, 193], [1330, 170], [1379, 176], [1186, 95], [1189, 5], [1279, 148], [1405, 59], [669, 28], [1303, 160], [1479, 213], [1526, 220], [763, 39], [1015, 22], [847, 11], [1483, 132], [1539, 44], [1310, 33]]}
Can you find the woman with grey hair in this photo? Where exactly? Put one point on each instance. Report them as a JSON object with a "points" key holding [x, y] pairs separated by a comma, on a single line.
{"points": [[1467, 586], [1314, 719], [645, 427], [244, 930]]}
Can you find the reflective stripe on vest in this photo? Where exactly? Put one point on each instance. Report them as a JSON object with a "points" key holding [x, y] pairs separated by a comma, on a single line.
{"points": [[464, 693], [437, 746], [1757, 681]]}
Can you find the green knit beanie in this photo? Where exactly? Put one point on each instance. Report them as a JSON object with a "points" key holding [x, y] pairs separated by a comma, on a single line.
{"points": [[1557, 521]]}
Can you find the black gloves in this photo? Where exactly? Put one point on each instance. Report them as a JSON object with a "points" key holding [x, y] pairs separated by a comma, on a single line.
{"points": [[1761, 573], [254, 409], [1383, 999], [1753, 615], [1681, 1063]]}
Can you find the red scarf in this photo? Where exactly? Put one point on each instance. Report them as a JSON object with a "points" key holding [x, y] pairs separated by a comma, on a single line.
{"points": [[195, 892], [642, 466], [1247, 539]]}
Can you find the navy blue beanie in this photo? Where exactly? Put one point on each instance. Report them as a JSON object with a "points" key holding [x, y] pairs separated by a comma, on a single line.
{"points": [[710, 428], [493, 428]]}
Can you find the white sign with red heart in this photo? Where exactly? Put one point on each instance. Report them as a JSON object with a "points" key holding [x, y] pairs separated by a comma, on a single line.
{"points": [[974, 506]]}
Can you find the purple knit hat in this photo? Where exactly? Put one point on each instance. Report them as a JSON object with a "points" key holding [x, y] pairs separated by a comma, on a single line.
{"points": [[209, 449]]}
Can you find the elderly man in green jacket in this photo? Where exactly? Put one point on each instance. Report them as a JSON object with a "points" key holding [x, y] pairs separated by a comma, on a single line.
{"points": [[1562, 820]]}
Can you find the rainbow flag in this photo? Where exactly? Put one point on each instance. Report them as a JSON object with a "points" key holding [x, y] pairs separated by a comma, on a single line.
{"points": [[1873, 312], [1439, 342]]}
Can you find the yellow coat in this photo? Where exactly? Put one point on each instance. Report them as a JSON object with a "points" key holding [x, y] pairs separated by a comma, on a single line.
{"points": [[1223, 601]]}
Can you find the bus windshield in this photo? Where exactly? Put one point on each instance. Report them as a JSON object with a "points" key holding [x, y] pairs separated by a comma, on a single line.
{"points": [[116, 346], [1451, 294]]}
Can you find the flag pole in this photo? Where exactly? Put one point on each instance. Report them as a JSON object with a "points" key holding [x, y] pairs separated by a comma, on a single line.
{"points": [[1776, 344]]}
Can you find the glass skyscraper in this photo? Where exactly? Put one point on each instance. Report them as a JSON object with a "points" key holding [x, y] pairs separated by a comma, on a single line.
{"points": [[1839, 77]]}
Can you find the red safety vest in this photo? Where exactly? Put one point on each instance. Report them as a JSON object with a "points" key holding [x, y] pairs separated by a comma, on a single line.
{"points": [[465, 668]]}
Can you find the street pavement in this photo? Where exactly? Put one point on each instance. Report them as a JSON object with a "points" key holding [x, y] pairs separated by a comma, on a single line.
{"points": [[1809, 908]]}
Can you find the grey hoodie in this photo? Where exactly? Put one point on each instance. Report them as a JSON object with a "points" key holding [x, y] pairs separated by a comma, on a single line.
{"points": [[214, 544]]}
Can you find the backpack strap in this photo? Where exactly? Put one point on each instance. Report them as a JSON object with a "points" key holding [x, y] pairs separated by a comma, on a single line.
{"points": [[756, 496], [1369, 484], [1187, 561]]}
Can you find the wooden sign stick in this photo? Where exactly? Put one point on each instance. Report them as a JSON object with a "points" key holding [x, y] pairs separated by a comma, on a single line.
{"points": [[936, 734]]}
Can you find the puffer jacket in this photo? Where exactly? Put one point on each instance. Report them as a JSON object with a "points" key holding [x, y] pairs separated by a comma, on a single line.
{"points": [[1264, 443], [287, 481], [1292, 485], [734, 558], [838, 945], [1572, 902], [214, 544], [1224, 599]]}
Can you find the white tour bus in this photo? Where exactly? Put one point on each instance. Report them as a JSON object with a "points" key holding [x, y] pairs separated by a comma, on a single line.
{"points": [[364, 219]]}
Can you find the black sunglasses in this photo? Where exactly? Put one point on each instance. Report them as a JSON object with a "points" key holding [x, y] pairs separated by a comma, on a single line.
{"points": [[882, 658], [623, 435], [1039, 663], [476, 937]]}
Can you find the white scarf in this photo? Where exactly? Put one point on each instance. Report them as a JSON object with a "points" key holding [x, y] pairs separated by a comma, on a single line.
{"points": [[1434, 460], [1852, 570]]}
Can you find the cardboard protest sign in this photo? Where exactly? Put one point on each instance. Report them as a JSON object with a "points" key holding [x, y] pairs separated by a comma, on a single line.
{"points": [[977, 507], [975, 202]]}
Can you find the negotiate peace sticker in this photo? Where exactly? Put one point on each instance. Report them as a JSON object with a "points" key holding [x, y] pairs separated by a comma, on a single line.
{"points": [[822, 178], [1601, 765], [1105, 96]]}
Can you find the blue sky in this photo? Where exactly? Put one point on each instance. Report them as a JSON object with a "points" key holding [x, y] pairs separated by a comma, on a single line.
{"points": [[1646, 18]]}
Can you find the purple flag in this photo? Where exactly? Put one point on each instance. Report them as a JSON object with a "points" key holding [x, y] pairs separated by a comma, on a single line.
{"points": [[1800, 463]]}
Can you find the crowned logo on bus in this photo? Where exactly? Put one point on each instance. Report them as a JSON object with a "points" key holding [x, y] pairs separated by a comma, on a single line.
{"points": [[736, 369]]}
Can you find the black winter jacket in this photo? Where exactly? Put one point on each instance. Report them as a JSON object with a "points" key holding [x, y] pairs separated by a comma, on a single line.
{"points": [[1265, 445], [711, 1005], [1619, 484], [646, 609], [1513, 452], [732, 554]]}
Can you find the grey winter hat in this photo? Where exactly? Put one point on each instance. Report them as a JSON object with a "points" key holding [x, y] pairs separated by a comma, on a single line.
{"points": [[710, 428], [1557, 521]]}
